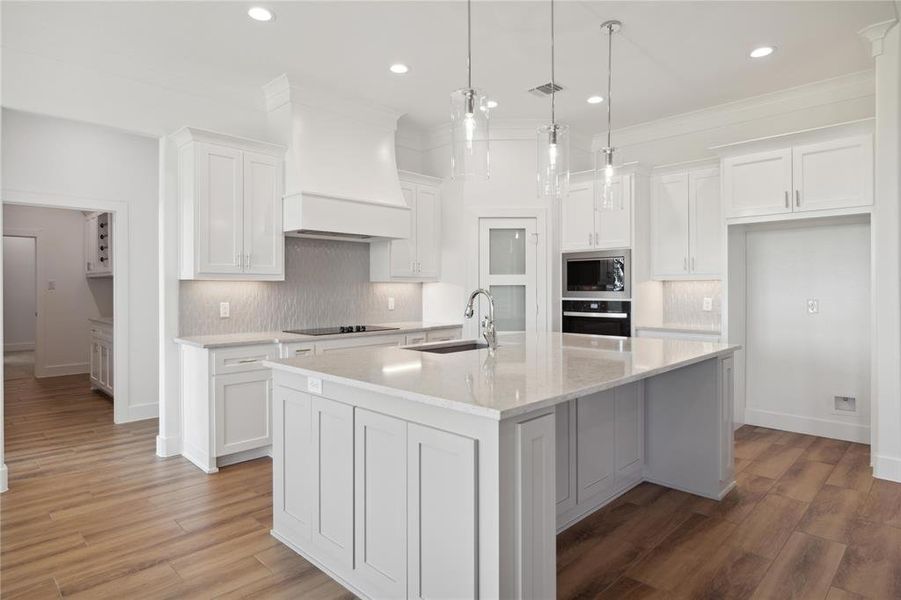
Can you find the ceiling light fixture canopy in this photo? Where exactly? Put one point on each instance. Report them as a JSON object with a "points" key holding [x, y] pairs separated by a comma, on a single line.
{"points": [[258, 13], [603, 188], [553, 143], [469, 122]]}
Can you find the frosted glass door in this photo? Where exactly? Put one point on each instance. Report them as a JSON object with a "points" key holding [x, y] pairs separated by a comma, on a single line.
{"points": [[507, 268]]}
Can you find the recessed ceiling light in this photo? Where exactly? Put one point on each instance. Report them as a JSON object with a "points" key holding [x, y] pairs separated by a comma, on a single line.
{"points": [[491, 104], [399, 68], [258, 13], [595, 100], [762, 51]]}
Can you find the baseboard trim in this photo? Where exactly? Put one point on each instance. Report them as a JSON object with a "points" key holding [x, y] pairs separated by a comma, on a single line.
{"points": [[168, 446], [243, 456], [4, 478], [18, 346], [140, 412], [316, 563], [59, 370], [850, 432], [887, 467]]}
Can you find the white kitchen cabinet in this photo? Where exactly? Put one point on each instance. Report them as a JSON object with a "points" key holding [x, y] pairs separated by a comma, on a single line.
{"points": [[417, 258], [833, 174], [442, 518], [415, 338], [333, 469], [242, 411], [380, 503], [825, 175], [101, 341], [566, 456], [98, 252], [595, 445], [686, 225], [366, 341], [445, 335], [628, 437], [230, 207], [585, 225]]}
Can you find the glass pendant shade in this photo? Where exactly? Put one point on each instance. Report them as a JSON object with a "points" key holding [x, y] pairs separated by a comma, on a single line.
{"points": [[469, 135], [553, 160], [608, 196]]}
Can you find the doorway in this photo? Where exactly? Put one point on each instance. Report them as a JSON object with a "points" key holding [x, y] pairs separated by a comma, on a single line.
{"points": [[19, 305]]}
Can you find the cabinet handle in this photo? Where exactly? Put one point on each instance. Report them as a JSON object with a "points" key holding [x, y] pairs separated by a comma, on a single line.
{"points": [[797, 197], [247, 261], [692, 263], [684, 263], [245, 361], [238, 260], [589, 238], [787, 205], [596, 240]]}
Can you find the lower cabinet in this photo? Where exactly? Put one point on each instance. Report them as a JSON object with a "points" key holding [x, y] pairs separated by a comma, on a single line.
{"points": [[102, 357], [242, 410], [600, 449]]}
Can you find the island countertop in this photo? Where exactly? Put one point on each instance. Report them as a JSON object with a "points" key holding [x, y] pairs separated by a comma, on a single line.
{"points": [[527, 372]]}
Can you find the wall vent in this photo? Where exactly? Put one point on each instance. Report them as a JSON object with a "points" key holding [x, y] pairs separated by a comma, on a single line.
{"points": [[845, 405], [545, 89]]}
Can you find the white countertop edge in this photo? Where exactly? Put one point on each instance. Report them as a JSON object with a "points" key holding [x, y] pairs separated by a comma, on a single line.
{"points": [[281, 337], [679, 329], [103, 320], [482, 411]]}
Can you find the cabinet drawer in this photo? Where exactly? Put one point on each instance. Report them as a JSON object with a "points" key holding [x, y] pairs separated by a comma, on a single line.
{"points": [[366, 341], [416, 338], [297, 349], [242, 358], [445, 335]]}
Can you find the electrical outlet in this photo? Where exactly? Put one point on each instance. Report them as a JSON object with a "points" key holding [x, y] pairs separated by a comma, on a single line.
{"points": [[390, 302], [314, 385], [708, 304], [224, 310], [813, 306], [51, 285], [844, 405]]}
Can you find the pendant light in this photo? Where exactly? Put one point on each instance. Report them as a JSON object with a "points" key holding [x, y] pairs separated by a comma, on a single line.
{"points": [[469, 122], [606, 197], [553, 143]]}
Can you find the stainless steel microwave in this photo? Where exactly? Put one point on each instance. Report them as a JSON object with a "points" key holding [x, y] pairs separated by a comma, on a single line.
{"points": [[599, 274]]}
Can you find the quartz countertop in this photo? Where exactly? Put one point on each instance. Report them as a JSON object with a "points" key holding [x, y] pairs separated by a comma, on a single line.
{"points": [[527, 372], [280, 337]]}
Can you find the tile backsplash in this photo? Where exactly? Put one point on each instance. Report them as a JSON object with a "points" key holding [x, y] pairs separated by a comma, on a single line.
{"points": [[326, 283], [683, 304]]}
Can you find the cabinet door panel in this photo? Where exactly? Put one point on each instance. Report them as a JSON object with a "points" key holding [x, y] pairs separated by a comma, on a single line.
{"points": [[242, 402], [669, 225], [220, 227], [264, 240], [333, 470], [297, 438], [90, 244], [706, 231], [566, 456], [428, 231], [403, 252], [380, 505], [595, 431], [441, 509], [577, 218], [629, 432], [758, 184], [614, 225], [833, 174]]}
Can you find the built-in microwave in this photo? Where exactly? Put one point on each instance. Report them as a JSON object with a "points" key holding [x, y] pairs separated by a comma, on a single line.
{"points": [[602, 274]]}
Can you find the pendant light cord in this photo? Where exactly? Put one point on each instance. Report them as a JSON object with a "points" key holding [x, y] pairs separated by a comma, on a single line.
{"points": [[553, 78], [609, 82], [469, 44]]}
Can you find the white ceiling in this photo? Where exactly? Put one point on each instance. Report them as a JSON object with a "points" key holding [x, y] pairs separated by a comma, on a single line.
{"points": [[671, 57]]}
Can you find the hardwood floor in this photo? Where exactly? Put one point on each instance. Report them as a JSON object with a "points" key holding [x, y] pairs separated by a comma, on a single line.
{"points": [[807, 520], [93, 513]]}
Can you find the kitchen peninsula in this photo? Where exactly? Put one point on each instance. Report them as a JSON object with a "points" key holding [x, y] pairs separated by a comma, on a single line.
{"points": [[429, 472]]}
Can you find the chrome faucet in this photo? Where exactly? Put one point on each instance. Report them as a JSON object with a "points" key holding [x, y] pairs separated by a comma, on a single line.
{"points": [[488, 330]]}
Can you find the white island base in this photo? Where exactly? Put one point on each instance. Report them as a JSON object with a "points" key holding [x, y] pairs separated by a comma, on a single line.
{"points": [[411, 475]]}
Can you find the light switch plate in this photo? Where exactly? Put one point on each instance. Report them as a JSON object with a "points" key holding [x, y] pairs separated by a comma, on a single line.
{"points": [[813, 306], [314, 385], [708, 304], [51, 285], [390, 302], [224, 310]]}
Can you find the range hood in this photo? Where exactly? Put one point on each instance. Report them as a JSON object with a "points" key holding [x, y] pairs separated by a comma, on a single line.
{"points": [[340, 169]]}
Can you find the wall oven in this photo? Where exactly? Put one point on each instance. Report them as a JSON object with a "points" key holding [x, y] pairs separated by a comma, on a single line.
{"points": [[597, 275], [597, 317]]}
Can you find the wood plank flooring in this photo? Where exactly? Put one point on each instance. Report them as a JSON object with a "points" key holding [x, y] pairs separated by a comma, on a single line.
{"points": [[93, 513]]}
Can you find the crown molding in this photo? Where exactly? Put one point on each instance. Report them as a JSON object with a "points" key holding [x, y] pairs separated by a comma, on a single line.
{"points": [[193, 134], [875, 34], [845, 87]]}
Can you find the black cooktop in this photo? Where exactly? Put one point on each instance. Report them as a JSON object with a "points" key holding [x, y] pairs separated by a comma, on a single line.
{"points": [[339, 329]]}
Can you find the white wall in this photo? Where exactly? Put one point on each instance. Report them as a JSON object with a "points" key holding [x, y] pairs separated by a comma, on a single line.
{"points": [[798, 362], [55, 158], [63, 340], [19, 298]]}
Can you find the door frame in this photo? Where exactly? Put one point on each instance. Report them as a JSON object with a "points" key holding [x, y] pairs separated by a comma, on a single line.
{"points": [[544, 266], [34, 234], [119, 211]]}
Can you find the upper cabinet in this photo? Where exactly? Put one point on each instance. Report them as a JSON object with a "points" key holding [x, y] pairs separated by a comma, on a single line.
{"points": [[686, 225], [98, 253], [230, 207], [826, 175], [587, 226], [417, 258]]}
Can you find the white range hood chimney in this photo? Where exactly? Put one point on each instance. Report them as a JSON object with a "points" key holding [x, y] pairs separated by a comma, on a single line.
{"points": [[340, 170]]}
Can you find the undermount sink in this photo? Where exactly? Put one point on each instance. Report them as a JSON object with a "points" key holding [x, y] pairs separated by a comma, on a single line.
{"points": [[447, 348]]}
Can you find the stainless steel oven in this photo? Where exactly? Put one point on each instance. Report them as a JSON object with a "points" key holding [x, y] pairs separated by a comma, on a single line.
{"points": [[597, 317], [603, 274]]}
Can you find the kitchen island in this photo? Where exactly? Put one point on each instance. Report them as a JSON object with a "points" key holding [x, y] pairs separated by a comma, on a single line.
{"points": [[407, 473]]}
